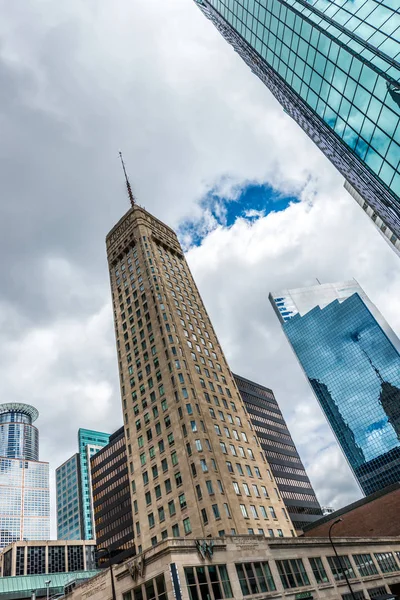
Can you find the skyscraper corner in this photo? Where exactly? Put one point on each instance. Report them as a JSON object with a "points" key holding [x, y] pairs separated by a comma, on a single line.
{"points": [[334, 68]]}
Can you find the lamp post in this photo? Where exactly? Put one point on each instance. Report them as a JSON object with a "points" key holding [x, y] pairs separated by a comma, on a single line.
{"points": [[47, 584], [108, 553], [343, 571]]}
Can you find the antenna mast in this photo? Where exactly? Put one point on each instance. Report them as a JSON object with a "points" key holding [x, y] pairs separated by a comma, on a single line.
{"points": [[128, 185]]}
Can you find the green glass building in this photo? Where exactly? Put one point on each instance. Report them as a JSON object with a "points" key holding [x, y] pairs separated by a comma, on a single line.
{"points": [[334, 67], [74, 489]]}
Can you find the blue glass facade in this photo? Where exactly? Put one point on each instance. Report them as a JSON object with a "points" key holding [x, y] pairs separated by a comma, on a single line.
{"points": [[90, 442], [352, 362], [24, 481], [75, 520], [334, 66]]}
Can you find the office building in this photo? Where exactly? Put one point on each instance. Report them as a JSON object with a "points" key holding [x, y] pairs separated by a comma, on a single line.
{"points": [[351, 358], [74, 489], [195, 464], [280, 452], [253, 567], [37, 558], [24, 480], [334, 68], [112, 506]]}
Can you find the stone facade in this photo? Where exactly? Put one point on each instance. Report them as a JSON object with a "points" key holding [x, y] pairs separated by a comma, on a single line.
{"points": [[195, 464], [164, 571]]}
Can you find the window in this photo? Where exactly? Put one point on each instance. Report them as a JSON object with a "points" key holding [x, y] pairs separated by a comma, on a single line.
{"points": [[244, 511], [161, 514], [171, 508], [253, 511], [168, 486], [227, 511], [211, 582], [209, 487], [175, 530], [186, 525], [338, 568], [255, 490], [365, 564], [264, 491], [387, 562], [174, 458], [263, 512], [199, 447], [317, 567], [292, 573], [246, 489], [229, 466], [204, 516], [153, 589], [272, 512], [215, 510], [255, 578], [151, 520], [178, 479], [236, 488], [203, 465], [223, 448], [359, 595], [182, 501]]}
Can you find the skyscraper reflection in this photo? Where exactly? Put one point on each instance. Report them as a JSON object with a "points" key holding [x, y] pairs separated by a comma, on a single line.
{"points": [[352, 360]]}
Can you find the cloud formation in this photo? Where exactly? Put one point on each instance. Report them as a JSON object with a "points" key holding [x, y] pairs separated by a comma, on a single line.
{"points": [[78, 82]]}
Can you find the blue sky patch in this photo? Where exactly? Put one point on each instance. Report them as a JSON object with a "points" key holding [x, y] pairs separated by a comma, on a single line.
{"points": [[252, 202]]}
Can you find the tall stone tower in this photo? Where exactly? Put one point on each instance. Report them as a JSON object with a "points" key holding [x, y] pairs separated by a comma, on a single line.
{"points": [[196, 467]]}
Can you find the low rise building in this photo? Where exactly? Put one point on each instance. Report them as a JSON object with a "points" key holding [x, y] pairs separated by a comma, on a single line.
{"points": [[38, 558], [377, 515], [249, 567]]}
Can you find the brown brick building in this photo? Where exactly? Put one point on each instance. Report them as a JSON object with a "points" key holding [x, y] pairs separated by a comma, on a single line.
{"points": [[195, 465], [376, 515]]}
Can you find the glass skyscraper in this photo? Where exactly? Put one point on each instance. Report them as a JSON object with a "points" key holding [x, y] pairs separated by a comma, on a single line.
{"points": [[74, 489], [351, 358], [24, 480], [334, 67]]}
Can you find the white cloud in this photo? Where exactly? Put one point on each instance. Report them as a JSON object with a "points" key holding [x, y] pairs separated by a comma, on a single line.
{"points": [[80, 81]]}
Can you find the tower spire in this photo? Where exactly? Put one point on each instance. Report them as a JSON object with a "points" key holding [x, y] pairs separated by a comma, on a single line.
{"points": [[377, 372], [128, 185]]}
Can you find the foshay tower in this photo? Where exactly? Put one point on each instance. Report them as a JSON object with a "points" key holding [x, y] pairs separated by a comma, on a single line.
{"points": [[195, 464]]}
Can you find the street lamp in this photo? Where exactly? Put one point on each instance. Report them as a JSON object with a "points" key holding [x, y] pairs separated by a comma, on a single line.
{"points": [[47, 584], [338, 557], [108, 553]]}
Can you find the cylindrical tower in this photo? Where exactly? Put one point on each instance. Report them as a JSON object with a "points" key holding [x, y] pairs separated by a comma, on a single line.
{"points": [[18, 437]]}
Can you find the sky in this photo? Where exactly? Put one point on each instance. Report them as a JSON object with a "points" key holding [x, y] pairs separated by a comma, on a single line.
{"points": [[210, 152]]}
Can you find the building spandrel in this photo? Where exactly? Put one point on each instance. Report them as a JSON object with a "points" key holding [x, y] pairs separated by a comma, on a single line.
{"points": [[353, 367], [334, 67]]}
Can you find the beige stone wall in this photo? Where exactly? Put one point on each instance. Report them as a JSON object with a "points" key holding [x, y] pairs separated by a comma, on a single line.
{"points": [[179, 319], [238, 549]]}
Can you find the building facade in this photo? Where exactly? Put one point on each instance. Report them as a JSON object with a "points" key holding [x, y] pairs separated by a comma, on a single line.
{"points": [[112, 506], [351, 358], [74, 489], [335, 70], [249, 567], [290, 475], [373, 516], [36, 558], [24, 480], [69, 500], [191, 446]]}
